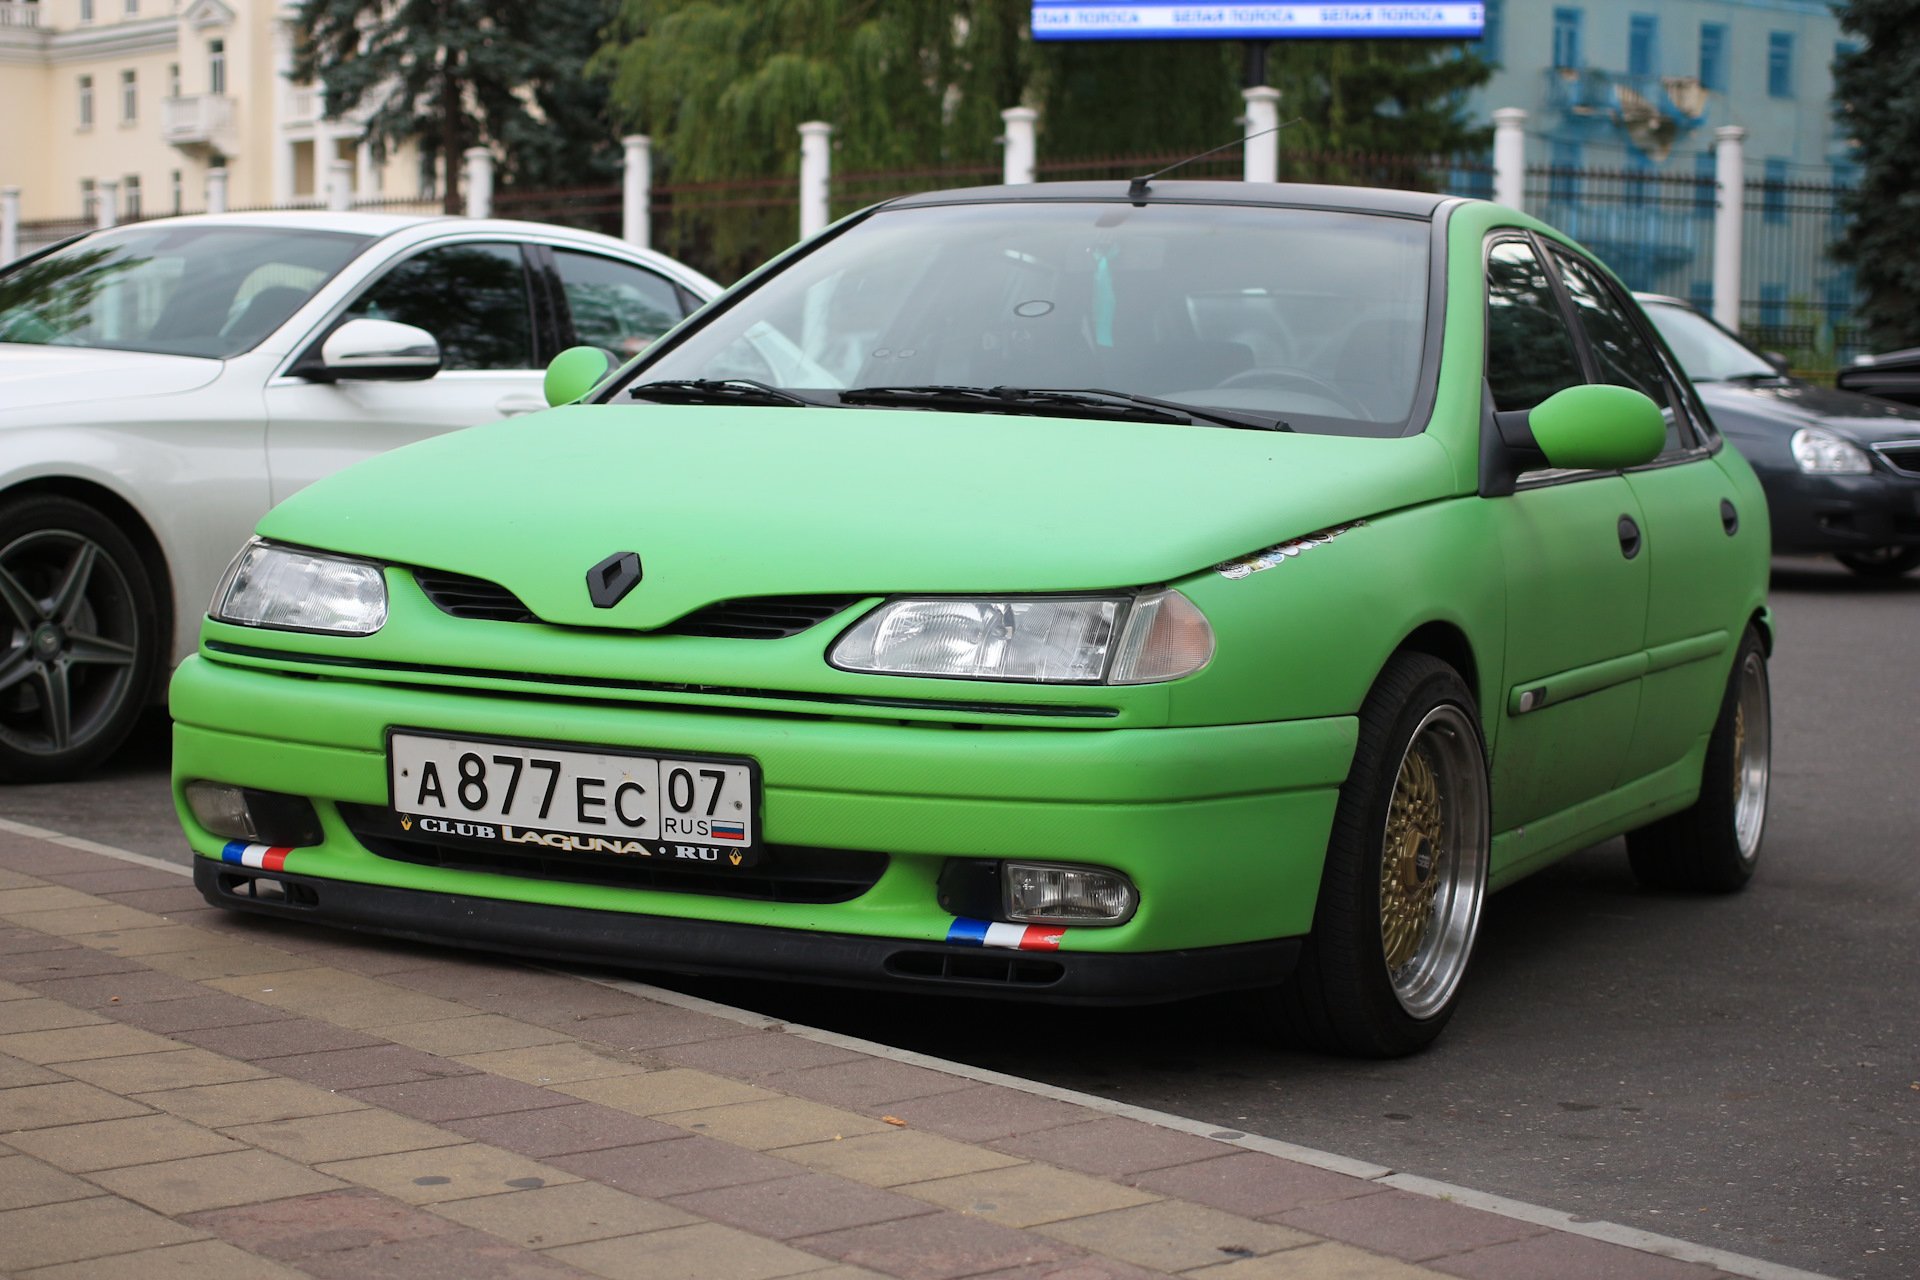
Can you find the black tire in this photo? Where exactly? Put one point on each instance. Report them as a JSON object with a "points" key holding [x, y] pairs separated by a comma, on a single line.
{"points": [[79, 638], [1406, 871], [1881, 562], [1714, 846]]}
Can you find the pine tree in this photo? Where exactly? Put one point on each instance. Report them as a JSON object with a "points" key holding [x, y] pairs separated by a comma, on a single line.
{"points": [[450, 74], [1878, 91]]}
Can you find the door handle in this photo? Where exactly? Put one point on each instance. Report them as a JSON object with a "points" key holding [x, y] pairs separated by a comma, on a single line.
{"points": [[1629, 537], [1729, 517], [510, 406]]}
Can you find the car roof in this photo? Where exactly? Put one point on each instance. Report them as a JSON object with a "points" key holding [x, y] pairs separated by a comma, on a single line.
{"points": [[1290, 195]]}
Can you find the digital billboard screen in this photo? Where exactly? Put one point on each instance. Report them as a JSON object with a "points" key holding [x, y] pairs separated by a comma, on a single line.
{"points": [[1159, 20]]}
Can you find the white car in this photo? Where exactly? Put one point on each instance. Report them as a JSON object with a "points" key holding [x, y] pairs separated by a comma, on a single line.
{"points": [[162, 384]]}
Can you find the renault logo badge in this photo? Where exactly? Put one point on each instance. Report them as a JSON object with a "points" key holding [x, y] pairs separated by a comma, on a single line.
{"points": [[609, 581]]}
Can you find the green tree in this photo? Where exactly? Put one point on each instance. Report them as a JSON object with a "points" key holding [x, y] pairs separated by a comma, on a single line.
{"points": [[1874, 87], [450, 74]]}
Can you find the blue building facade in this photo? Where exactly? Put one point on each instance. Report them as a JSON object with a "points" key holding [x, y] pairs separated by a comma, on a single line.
{"points": [[1622, 102]]}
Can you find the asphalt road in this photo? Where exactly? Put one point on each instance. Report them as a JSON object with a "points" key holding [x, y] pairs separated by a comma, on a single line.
{"points": [[1741, 1072]]}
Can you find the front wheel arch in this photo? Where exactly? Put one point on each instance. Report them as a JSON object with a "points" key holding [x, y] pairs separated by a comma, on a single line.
{"points": [[145, 542]]}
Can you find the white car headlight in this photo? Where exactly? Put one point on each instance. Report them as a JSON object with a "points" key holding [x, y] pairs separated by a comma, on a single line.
{"points": [[1107, 639], [294, 590], [1821, 452]]}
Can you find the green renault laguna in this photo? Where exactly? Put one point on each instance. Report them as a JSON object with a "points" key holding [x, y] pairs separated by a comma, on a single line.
{"points": [[1076, 592]]}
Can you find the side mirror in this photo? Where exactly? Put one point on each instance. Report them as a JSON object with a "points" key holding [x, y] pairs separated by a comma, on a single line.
{"points": [[375, 350], [1583, 428], [1778, 360], [574, 372]]}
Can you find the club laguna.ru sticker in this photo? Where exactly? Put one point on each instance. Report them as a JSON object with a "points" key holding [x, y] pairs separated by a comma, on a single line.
{"points": [[1246, 566]]}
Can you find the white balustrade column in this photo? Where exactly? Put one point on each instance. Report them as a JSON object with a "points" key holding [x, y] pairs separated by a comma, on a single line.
{"points": [[816, 173], [107, 203], [1510, 157], [340, 185], [1729, 221], [216, 191], [9, 224], [478, 174], [1261, 160], [1018, 160], [636, 190], [366, 174]]}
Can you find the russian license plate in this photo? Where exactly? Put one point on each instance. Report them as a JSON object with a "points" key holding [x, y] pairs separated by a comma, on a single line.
{"points": [[688, 809]]}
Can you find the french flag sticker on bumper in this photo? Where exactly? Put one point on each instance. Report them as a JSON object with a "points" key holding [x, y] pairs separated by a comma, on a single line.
{"points": [[1013, 937], [264, 856]]}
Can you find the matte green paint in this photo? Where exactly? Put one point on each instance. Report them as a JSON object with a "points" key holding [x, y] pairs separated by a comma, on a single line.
{"points": [[573, 373], [1215, 792], [1598, 428]]}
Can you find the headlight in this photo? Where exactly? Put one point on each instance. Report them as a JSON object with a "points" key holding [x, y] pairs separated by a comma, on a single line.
{"points": [[1822, 453], [294, 590], [1114, 639]]}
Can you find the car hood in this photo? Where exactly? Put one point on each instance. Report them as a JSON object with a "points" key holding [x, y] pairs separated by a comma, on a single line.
{"points": [[40, 377], [728, 502], [1789, 405]]}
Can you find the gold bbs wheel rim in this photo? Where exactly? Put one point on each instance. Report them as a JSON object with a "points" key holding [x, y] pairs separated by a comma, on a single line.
{"points": [[1433, 861]]}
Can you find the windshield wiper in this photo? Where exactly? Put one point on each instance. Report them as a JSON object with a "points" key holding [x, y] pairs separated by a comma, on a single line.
{"points": [[1056, 403], [717, 391]]}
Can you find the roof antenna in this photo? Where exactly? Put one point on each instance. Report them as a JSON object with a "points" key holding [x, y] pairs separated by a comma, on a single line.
{"points": [[1137, 188]]}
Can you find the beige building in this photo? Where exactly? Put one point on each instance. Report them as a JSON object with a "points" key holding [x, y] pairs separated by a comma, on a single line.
{"points": [[111, 109]]}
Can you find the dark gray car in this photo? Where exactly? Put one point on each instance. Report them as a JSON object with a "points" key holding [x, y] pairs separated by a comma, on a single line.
{"points": [[1841, 470]]}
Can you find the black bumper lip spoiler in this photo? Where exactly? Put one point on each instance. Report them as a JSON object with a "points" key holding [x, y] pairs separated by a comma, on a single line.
{"points": [[619, 939]]}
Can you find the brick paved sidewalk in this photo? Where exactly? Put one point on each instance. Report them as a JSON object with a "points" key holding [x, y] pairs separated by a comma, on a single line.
{"points": [[184, 1092]]}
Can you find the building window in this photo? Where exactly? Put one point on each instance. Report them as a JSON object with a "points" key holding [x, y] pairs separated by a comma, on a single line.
{"points": [[86, 102], [129, 98], [216, 66], [1563, 184], [89, 200], [173, 79], [133, 7], [1713, 56], [1490, 30], [179, 191], [1773, 190], [1566, 38], [1780, 64], [1773, 306], [1643, 45], [86, 10], [130, 196]]}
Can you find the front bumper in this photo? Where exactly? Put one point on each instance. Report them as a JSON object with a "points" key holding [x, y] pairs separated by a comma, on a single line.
{"points": [[1222, 829], [1826, 513]]}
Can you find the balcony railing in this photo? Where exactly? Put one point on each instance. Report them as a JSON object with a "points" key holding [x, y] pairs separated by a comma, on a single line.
{"points": [[302, 105], [197, 119], [15, 14]]}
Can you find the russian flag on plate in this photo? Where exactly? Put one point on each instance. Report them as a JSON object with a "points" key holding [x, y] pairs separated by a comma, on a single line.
{"points": [[266, 857], [1014, 937], [727, 830]]}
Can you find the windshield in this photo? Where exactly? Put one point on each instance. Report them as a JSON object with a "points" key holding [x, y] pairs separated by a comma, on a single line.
{"points": [[1313, 317], [194, 290], [1706, 352]]}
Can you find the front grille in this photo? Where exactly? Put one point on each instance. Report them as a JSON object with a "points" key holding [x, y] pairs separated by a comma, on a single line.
{"points": [[755, 618], [1903, 457], [787, 873]]}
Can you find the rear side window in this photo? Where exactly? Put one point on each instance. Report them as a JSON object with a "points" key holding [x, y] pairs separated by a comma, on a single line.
{"points": [[616, 306], [472, 298], [1530, 350]]}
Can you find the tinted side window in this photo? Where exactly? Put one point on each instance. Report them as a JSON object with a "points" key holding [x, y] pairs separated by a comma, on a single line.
{"points": [[1625, 359], [471, 297], [1530, 351], [616, 306]]}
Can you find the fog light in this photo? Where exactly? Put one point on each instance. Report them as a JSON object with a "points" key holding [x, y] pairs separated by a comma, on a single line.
{"points": [[263, 817], [1051, 893]]}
